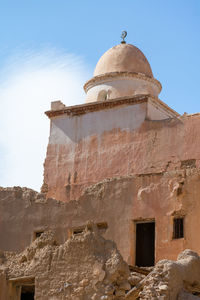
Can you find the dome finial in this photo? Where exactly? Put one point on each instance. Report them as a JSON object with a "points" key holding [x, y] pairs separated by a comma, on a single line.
{"points": [[123, 35]]}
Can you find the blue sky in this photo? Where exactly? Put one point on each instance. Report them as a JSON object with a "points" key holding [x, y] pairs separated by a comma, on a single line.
{"points": [[48, 49]]}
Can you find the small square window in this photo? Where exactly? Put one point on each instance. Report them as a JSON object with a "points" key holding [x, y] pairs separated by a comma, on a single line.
{"points": [[78, 231], [178, 231], [38, 234]]}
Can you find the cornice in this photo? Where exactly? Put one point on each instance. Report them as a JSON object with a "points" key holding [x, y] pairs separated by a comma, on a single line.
{"points": [[120, 75], [98, 105]]}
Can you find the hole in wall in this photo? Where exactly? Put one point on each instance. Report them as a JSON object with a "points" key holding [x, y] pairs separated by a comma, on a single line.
{"points": [[27, 292], [189, 163], [37, 234], [102, 226]]}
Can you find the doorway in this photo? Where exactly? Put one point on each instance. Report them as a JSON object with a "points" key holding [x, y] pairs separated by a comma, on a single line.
{"points": [[145, 244], [27, 292]]}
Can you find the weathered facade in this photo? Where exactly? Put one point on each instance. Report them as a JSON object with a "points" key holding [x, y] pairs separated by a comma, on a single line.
{"points": [[125, 133], [89, 267], [124, 161]]}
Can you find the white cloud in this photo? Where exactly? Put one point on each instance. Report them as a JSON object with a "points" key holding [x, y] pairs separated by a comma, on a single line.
{"points": [[28, 83]]}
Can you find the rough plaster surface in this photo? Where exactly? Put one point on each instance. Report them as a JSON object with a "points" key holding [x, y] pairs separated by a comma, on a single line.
{"points": [[123, 57], [85, 267], [86, 149], [89, 267], [170, 279], [119, 202]]}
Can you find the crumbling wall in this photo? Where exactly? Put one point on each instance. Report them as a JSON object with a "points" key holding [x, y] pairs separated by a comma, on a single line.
{"points": [[119, 202], [89, 267], [171, 280], [85, 267], [85, 149]]}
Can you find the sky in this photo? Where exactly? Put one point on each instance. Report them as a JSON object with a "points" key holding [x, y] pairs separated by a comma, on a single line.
{"points": [[49, 48]]}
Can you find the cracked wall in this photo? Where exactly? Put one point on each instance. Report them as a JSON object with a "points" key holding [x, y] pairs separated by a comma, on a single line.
{"points": [[89, 267], [88, 148], [119, 202]]}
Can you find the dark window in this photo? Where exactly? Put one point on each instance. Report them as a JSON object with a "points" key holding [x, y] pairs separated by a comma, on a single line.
{"points": [[38, 234], [178, 228], [78, 231]]}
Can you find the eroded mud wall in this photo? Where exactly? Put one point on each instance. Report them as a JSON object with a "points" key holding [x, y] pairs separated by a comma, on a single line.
{"points": [[87, 148], [89, 267], [118, 202]]}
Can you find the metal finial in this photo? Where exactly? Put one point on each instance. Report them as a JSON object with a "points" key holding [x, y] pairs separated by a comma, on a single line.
{"points": [[123, 35]]}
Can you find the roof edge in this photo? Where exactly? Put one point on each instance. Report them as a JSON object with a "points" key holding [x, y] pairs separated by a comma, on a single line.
{"points": [[99, 105]]}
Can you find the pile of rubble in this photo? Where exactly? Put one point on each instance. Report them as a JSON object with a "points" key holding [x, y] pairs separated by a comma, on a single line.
{"points": [[89, 267]]}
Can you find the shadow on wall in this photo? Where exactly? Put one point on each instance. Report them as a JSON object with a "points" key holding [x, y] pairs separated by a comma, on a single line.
{"points": [[75, 128]]}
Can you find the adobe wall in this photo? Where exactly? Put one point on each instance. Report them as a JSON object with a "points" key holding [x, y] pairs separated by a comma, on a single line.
{"points": [[3, 284], [89, 267], [120, 202], [85, 267], [87, 148]]}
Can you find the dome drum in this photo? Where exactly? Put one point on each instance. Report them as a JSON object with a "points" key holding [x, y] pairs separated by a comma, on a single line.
{"points": [[120, 84]]}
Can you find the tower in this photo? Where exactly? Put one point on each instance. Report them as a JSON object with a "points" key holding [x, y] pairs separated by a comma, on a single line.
{"points": [[122, 94]]}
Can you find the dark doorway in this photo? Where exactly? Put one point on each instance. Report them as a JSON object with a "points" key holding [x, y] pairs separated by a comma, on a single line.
{"points": [[27, 292], [145, 244]]}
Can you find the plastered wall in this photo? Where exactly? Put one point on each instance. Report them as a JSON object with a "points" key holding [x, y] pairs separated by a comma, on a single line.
{"points": [[88, 148], [120, 202]]}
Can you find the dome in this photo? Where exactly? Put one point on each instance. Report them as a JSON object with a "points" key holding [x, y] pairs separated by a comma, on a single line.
{"points": [[123, 58], [122, 71]]}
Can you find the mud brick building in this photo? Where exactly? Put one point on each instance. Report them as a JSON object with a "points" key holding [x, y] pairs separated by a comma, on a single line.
{"points": [[123, 160]]}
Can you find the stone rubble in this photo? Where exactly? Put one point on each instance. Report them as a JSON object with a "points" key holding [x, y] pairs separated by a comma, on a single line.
{"points": [[89, 267]]}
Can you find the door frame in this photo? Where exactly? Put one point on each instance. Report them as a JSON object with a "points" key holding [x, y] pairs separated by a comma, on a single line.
{"points": [[15, 285], [133, 238]]}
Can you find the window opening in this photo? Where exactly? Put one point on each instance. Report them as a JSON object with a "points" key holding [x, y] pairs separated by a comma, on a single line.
{"points": [[189, 163], [38, 234], [101, 226], [78, 231], [178, 231]]}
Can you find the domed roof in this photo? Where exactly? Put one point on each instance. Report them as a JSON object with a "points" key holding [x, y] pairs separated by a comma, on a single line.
{"points": [[123, 58]]}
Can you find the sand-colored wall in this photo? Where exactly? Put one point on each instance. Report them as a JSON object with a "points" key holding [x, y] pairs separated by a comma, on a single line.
{"points": [[85, 267], [121, 169], [121, 143], [89, 267], [120, 202], [88, 148], [3, 286]]}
